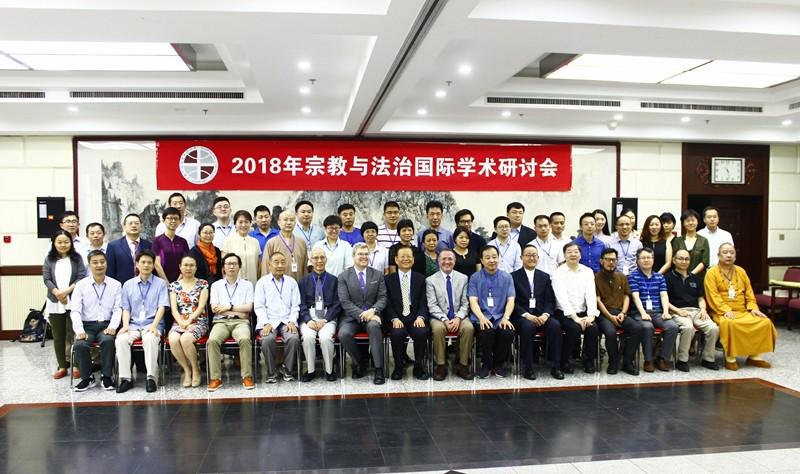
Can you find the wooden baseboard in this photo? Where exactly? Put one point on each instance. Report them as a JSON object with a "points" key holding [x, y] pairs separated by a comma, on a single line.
{"points": [[9, 335]]}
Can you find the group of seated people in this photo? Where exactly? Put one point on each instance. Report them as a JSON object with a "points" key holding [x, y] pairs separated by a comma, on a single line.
{"points": [[303, 285]]}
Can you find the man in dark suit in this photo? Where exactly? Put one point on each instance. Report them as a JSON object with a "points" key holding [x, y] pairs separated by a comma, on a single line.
{"points": [[520, 233], [534, 310], [407, 313], [121, 252], [362, 294], [319, 312]]}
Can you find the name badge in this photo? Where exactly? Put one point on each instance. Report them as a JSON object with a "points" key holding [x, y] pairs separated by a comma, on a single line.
{"points": [[648, 305], [142, 315], [294, 265], [532, 303], [625, 270], [490, 302], [731, 292], [318, 305]]}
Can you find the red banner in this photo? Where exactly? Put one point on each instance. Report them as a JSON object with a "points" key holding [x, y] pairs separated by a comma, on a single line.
{"points": [[349, 165]]}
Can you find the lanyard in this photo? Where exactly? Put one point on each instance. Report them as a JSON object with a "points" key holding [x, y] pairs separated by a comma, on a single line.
{"points": [[145, 293], [334, 247], [490, 278], [541, 246], [308, 235], [231, 295], [290, 249], [280, 290], [99, 295], [627, 249], [508, 247], [222, 229], [372, 258]]}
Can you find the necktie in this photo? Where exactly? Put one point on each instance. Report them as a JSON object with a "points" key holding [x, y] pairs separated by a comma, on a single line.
{"points": [[135, 251], [450, 312], [318, 288], [361, 282], [405, 294]]}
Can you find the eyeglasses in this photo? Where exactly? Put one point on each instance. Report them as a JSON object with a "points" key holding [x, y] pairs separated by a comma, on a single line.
{"points": [[69, 221], [222, 206], [231, 264], [465, 222]]}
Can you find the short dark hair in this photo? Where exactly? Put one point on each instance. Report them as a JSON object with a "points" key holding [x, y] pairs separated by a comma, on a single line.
{"points": [[540, 217], [345, 207], [390, 204], [500, 218], [515, 205], [401, 247], [460, 230], [570, 244], [554, 214], [242, 213], [368, 225], [710, 208], [644, 250], [68, 214], [300, 203], [332, 220], [428, 232], [203, 226], [434, 205], [627, 210], [132, 214], [486, 248], [607, 251], [584, 216], [689, 213], [404, 223], [232, 255], [170, 211], [145, 253], [261, 208], [667, 217], [95, 253], [462, 213], [219, 199], [174, 195], [95, 224]]}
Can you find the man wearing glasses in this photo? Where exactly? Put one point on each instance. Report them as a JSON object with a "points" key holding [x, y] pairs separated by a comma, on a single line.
{"points": [[464, 218], [223, 227]]}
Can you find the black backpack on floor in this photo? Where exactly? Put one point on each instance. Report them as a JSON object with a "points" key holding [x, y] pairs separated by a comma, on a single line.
{"points": [[34, 326]]}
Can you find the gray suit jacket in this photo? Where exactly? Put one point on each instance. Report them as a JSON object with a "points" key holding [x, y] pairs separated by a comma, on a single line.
{"points": [[436, 290], [353, 301]]}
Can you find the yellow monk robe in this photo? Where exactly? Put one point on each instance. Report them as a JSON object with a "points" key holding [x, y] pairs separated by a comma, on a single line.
{"points": [[745, 334]]}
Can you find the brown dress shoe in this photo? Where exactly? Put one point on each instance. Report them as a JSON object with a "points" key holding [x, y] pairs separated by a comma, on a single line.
{"points": [[214, 384], [661, 365], [440, 373], [731, 365], [76, 374], [649, 366], [247, 383], [464, 372], [60, 374], [758, 363]]}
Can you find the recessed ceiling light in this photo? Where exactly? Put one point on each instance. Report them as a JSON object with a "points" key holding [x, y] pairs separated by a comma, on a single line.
{"points": [[786, 122], [422, 111], [686, 119], [305, 90], [72, 109], [304, 65], [618, 116], [441, 93], [506, 113], [464, 69], [612, 124], [607, 67], [306, 110]]}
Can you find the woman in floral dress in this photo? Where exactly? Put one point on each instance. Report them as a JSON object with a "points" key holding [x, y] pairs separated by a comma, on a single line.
{"points": [[188, 297]]}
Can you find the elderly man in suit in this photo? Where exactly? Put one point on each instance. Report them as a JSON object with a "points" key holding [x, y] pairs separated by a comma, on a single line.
{"points": [[121, 252], [446, 292], [407, 313], [362, 294], [534, 310]]}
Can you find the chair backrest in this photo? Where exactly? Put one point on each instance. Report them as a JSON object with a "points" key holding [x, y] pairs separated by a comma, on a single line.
{"points": [[792, 274]]}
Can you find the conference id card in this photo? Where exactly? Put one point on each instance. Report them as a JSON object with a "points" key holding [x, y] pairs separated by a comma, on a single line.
{"points": [[731, 292], [319, 304], [142, 315], [648, 305], [625, 270], [294, 265], [532, 303], [490, 302]]}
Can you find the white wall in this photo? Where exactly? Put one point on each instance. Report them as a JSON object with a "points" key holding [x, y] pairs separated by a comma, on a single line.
{"points": [[651, 171]]}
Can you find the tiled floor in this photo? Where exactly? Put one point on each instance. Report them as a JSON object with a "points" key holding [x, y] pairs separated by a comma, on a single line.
{"points": [[651, 423]]}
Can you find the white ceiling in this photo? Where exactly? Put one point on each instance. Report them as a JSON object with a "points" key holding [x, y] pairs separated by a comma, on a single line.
{"points": [[354, 47]]}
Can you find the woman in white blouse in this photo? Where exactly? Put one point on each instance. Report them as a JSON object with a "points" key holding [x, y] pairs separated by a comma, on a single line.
{"points": [[245, 246]]}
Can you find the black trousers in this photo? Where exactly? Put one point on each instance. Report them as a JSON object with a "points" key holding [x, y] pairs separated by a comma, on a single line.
{"points": [[495, 345], [349, 328], [632, 334], [572, 337], [399, 337], [527, 330]]}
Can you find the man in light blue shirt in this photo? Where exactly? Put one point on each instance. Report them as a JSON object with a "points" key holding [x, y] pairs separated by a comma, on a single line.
{"points": [[277, 306], [144, 300], [510, 253], [491, 300], [626, 246], [434, 211]]}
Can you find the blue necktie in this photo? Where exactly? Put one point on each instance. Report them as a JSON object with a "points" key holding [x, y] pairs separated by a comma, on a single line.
{"points": [[450, 311]]}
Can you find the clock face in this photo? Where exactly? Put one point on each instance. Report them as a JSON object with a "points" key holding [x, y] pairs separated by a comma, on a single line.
{"points": [[727, 170]]}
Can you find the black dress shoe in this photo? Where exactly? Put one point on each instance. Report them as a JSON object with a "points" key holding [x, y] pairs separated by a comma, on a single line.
{"points": [[151, 385], [682, 366], [529, 373], [630, 370], [331, 377], [566, 367], [397, 373], [420, 373], [308, 376], [589, 366], [124, 386], [613, 368], [709, 365], [358, 372], [379, 378], [557, 373]]}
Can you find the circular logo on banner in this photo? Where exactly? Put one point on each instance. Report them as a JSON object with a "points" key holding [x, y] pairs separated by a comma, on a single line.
{"points": [[198, 165]]}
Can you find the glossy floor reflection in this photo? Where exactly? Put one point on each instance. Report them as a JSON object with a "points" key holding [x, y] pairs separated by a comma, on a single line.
{"points": [[401, 433]]}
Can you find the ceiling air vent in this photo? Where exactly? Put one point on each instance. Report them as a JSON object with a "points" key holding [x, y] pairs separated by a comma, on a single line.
{"points": [[207, 95], [552, 101], [794, 105], [21, 94], [704, 107]]}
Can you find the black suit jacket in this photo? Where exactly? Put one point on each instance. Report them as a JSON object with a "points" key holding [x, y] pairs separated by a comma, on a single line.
{"points": [[394, 299], [330, 296], [120, 264], [542, 289]]}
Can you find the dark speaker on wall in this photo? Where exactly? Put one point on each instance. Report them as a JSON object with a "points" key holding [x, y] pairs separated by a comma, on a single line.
{"points": [[619, 204], [48, 215]]}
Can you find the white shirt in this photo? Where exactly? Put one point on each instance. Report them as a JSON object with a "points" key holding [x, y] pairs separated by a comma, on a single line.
{"points": [[510, 255], [62, 270], [81, 244], [387, 237], [715, 240], [222, 232], [187, 229], [222, 293], [379, 258], [132, 246], [96, 303], [340, 255], [551, 254], [575, 290], [276, 301], [85, 249]]}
